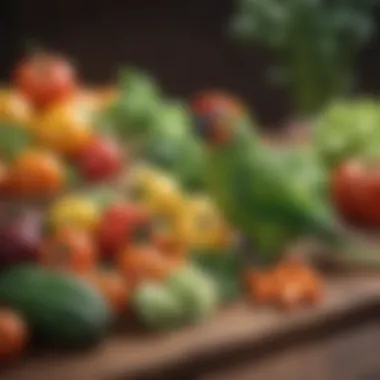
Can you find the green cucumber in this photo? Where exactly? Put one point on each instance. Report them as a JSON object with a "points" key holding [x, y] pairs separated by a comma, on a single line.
{"points": [[61, 310]]}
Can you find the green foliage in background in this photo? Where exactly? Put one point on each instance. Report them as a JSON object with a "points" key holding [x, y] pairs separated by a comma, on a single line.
{"points": [[314, 41]]}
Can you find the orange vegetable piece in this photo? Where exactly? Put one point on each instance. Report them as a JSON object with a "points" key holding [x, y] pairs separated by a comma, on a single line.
{"points": [[14, 335], [289, 285], [141, 262], [261, 287], [299, 284], [69, 249]]}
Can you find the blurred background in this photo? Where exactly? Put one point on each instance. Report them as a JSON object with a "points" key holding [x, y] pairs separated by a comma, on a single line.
{"points": [[183, 44]]}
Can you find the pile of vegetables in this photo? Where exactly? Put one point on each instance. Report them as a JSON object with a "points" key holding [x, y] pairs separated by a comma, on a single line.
{"points": [[122, 224], [125, 225], [48, 140]]}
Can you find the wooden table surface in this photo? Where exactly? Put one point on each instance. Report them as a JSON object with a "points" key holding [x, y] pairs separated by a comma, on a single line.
{"points": [[201, 349]]}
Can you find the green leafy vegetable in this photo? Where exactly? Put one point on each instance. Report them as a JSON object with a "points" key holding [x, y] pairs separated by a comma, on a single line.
{"points": [[348, 129]]}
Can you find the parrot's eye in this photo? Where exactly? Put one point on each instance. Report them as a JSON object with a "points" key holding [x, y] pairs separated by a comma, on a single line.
{"points": [[214, 115]]}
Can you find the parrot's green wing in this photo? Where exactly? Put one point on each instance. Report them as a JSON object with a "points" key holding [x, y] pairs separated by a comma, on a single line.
{"points": [[225, 187], [278, 196], [260, 195]]}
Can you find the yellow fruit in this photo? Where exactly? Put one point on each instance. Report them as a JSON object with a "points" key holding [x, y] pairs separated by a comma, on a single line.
{"points": [[74, 211], [65, 128], [201, 225], [14, 108], [160, 192]]}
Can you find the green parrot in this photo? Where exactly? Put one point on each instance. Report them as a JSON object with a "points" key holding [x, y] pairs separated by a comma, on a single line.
{"points": [[272, 196]]}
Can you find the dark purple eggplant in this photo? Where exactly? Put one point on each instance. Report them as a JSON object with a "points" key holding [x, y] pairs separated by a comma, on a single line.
{"points": [[20, 235]]}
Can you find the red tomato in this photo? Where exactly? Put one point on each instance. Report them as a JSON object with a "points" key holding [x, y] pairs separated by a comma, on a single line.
{"points": [[356, 192], [101, 159], [118, 226], [45, 78], [371, 200]]}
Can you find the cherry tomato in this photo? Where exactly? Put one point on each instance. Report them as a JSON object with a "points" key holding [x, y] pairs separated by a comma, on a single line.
{"points": [[142, 262], [101, 159], [45, 78], [70, 250], [14, 335], [112, 286], [34, 173], [118, 226]]}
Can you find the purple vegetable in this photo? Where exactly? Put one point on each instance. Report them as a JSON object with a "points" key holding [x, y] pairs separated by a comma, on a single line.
{"points": [[20, 235]]}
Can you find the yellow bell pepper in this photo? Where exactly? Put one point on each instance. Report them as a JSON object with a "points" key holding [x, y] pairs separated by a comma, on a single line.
{"points": [[65, 128], [161, 193], [201, 225], [74, 211]]}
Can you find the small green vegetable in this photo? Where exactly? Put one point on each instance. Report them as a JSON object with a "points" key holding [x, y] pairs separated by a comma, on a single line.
{"points": [[196, 291], [157, 307], [188, 296]]}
